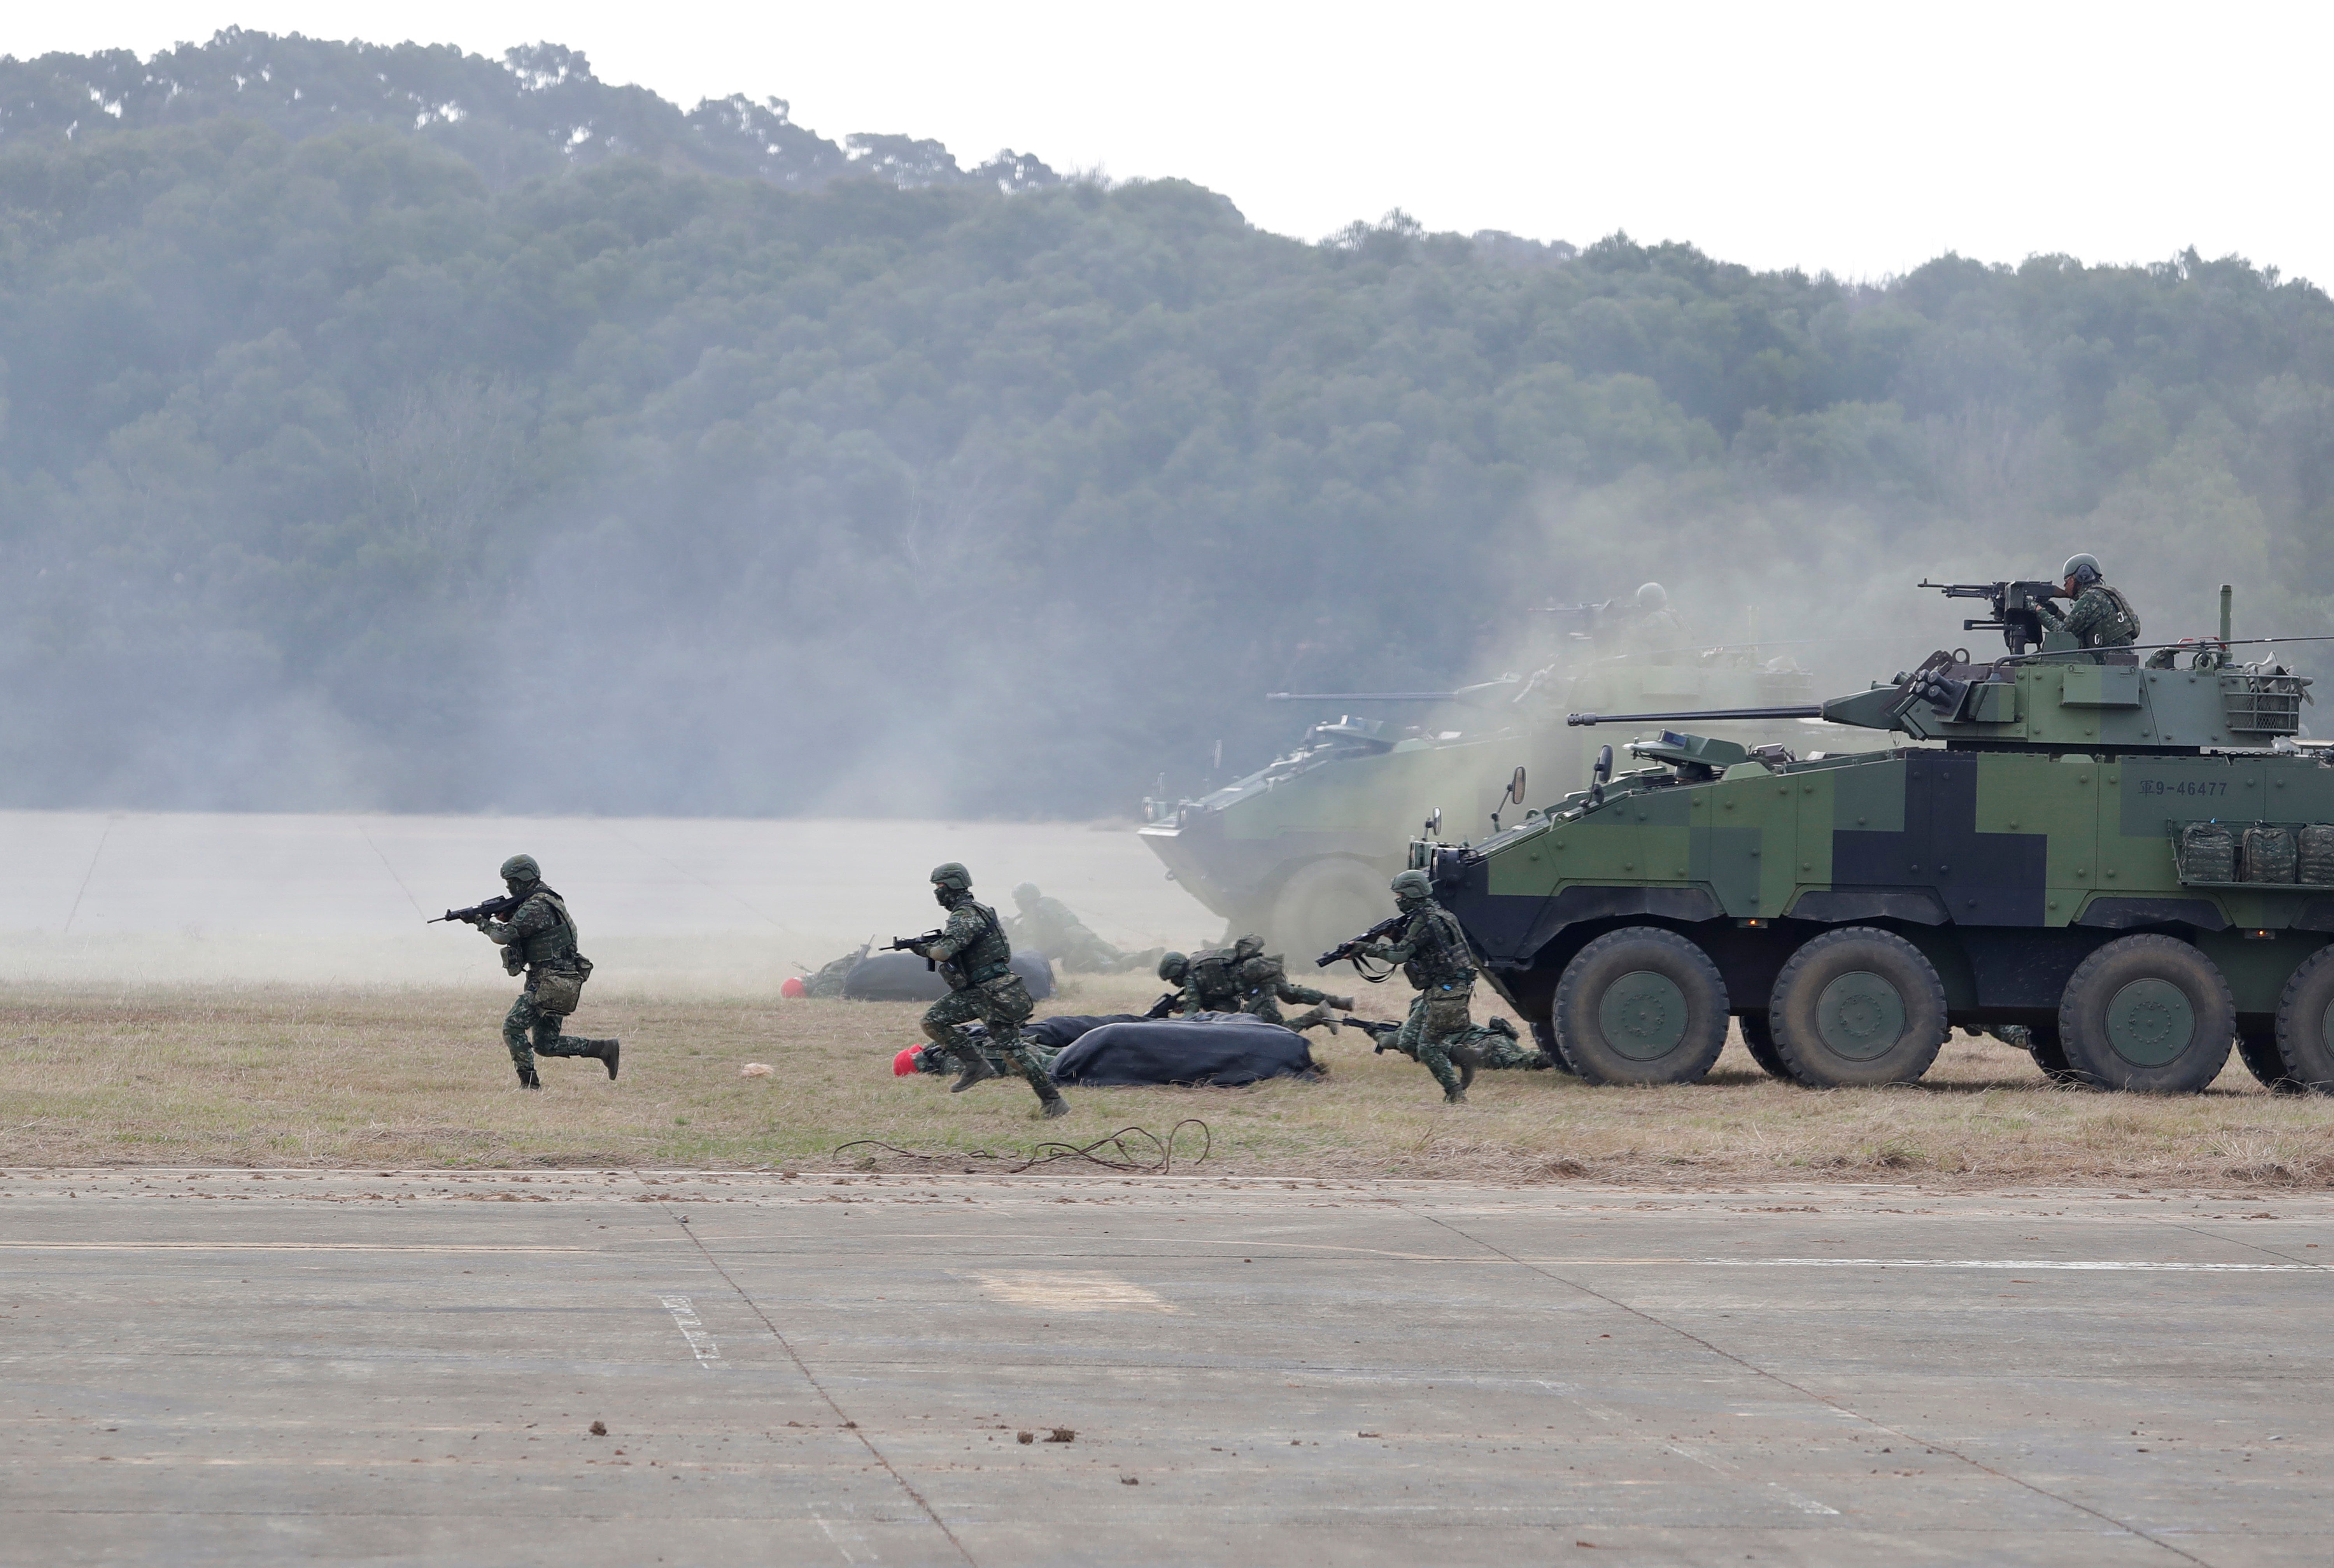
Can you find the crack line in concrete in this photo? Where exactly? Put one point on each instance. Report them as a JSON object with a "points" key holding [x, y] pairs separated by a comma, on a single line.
{"points": [[1824, 1399], [818, 1387], [2296, 1263]]}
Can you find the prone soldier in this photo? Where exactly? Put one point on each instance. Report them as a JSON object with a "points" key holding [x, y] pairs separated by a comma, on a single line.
{"points": [[1265, 984], [973, 955], [1049, 926]]}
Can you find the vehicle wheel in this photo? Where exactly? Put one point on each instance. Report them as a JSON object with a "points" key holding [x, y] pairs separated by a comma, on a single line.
{"points": [[1544, 1040], [2259, 1051], [2305, 1024], [2049, 1054], [1641, 1005], [1857, 1007], [1760, 1040], [2149, 1013], [1323, 903]]}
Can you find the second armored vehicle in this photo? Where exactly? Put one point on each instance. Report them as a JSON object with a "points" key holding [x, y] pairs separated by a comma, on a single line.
{"points": [[2125, 867], [1301, 850]]}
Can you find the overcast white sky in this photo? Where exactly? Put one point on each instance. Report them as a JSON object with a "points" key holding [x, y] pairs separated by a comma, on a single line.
{"points": [[1863, 139]]}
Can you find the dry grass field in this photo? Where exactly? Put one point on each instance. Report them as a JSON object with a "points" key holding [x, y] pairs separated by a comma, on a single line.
{"points": [[274, 1077]]}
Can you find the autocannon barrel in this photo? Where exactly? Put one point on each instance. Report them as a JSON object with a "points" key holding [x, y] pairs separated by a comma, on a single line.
{"points": [[1806, 711]]}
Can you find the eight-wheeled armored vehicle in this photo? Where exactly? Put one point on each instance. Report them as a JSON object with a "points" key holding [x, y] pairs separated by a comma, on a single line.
{"points": [[2122, 865]]}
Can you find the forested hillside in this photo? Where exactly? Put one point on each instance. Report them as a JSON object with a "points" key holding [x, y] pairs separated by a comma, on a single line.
{"points": [[371, 457]]}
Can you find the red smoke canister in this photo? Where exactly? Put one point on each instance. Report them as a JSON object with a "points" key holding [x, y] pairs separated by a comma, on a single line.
{"points": [[904, 1063], [792, 985]]}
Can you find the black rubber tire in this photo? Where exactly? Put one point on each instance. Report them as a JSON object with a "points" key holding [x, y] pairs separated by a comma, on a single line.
{"points": [[2301, 1042], [1794, 1010], [1760, 1040], [2098, 980], [1544, 1040], [2049, 1054], [2265, 1061], [1619, 957]]}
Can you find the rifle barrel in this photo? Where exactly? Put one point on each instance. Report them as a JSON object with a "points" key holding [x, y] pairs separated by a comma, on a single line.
{"points": [[1361, 695], [1809, 710]]}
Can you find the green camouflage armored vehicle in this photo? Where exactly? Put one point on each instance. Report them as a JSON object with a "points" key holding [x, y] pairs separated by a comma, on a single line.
{"points": [[1301, 851], [2121, 866]]}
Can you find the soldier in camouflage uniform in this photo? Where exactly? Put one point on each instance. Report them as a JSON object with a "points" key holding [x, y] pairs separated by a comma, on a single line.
{"points": [[1489, 1047], [1433, 956], [976, 960], [2100, 616], [1265, 984], [1048, 926], [539, 938], [1210, 980]]}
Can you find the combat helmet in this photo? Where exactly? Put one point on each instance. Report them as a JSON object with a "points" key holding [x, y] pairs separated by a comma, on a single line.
{"points": [[1653, 596], [2084, 569], [1026, 893], [951, 874], [1173, 967], [1411, 884], [521, 868]]}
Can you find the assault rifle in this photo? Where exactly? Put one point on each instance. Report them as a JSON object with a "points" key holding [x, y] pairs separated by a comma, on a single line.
{"points": [[2013, 605], [909, 945], [1351, 947], [492, 910], [1165, 1006]]}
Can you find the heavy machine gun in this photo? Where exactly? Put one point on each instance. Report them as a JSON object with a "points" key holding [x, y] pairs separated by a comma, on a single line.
{"points": [[2014, 603]]}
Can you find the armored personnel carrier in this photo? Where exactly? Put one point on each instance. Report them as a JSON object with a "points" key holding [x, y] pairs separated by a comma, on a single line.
{"points": [[1301, 850], [2123, 866]]}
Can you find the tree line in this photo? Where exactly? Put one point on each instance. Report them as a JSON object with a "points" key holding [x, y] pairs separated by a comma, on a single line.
{"points": [[398, 428]]}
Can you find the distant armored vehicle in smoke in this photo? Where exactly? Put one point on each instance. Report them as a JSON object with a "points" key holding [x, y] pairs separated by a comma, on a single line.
{"points": [[1301, 850], [2120, 865]]}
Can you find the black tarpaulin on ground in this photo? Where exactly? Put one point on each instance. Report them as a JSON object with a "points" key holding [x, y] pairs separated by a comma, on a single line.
{"points": [[1225, 1049], [902, 977]]}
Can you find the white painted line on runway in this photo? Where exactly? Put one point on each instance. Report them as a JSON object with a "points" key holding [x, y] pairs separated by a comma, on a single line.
{"points": [[2019, 1264], [845, 1538], [692, 1329], [260, 1246], [1071, 1293]]}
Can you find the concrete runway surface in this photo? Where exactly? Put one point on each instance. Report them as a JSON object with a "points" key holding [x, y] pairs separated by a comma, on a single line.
{"points": [[231, 1367], [666, 905]]}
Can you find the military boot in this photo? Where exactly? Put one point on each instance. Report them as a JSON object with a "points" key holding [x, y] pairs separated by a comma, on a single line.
{"points": [[606, 1052], [976, 1071], [1317, 1014], [1052, 1106], [1468, 1060], [527, 1079]]}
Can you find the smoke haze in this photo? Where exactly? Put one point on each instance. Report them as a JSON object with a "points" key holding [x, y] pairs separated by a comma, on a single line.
{"points": [[399, 431]]}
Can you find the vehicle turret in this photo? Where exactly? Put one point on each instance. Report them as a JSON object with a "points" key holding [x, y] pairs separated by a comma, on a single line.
{"points": [[2056, 702]]}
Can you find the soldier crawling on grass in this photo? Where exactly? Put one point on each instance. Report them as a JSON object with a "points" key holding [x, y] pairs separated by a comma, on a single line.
{"points": [[538, 936], [1265, 984]]}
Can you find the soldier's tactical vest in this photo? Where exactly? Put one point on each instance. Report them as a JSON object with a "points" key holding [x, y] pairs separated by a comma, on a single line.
{"points": [[2123, 629], [1262, 975], [554, 944], [985, 957], [1217, 981], [1439, 961]]}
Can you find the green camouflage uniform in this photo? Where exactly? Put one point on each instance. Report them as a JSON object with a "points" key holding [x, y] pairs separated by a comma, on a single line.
{"points": [[1213, 984], [1265, 984], [540, 939], [1433, 953], [976, 960], [1047, 926], [2100, 616]]}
